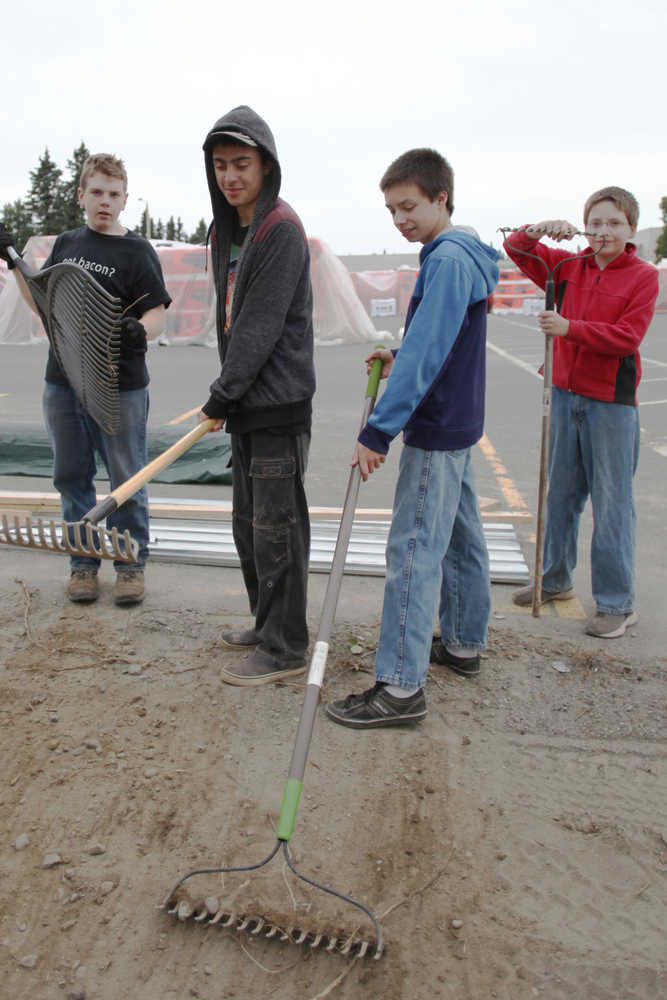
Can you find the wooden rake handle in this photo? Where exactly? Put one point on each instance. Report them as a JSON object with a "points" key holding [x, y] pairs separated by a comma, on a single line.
{"points": [[127, 489]]}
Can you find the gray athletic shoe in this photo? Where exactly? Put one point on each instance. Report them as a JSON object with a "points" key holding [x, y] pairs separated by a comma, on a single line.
{"points": [[243, 638], [610, 626], [524, 597], [260, 668]]}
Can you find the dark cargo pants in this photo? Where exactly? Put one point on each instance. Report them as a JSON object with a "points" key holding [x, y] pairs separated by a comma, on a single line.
{"points": [[271, 529]]}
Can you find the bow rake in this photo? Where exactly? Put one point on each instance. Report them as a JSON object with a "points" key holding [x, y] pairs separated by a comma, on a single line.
{"points": [[208, 911]]}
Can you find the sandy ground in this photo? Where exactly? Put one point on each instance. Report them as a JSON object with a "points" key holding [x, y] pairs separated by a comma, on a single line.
{"points": [[513, 846]]}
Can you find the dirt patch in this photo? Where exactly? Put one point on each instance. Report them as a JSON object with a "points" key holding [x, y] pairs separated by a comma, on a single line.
{"points": [[514, 845]]}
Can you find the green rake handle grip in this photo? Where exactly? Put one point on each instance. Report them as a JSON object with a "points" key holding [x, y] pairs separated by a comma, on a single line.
{"points": [[127, 489], [294, 783]]}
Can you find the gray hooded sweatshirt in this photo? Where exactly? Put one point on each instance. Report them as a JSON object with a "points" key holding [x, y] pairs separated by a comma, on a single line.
{"points": [[267, 377]]}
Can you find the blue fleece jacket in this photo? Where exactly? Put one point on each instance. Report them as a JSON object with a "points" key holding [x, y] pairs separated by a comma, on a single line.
{"points": [[435, 390]]}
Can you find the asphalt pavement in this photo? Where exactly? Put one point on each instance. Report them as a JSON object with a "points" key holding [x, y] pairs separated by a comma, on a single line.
{"points": [[506, 463]]}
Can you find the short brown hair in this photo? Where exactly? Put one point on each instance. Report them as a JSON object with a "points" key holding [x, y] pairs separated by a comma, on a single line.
{"points": [[427, 169], [105, 163], [625, 202]]}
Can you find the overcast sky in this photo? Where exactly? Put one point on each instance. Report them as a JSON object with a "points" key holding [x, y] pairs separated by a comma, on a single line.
{"points": [[535, 104]]}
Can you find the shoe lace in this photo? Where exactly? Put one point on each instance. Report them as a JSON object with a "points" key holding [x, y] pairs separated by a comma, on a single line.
{"points": [[365, 696]]}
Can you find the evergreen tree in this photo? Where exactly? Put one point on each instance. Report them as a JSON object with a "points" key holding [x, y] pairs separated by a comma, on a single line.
{"points": [[44, 201], [73, 214], [661, 245], [171, 228], [200, 233], [17, 217], [159, 230], [180, 232], [145, 222]]}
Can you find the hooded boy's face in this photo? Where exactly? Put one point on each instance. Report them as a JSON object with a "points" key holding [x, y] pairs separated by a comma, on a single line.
{"points": [[240, 174], [415, 216]]}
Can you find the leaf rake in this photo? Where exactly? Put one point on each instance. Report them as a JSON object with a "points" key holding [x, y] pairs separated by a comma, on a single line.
{"points": [[82, 322]]}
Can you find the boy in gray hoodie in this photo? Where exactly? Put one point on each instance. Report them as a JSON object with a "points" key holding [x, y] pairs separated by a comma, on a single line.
{"points": [[261, 269]]}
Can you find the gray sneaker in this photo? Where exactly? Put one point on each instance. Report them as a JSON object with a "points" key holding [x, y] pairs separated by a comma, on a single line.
{"points": [[524, 597], [83, 586], [260, 668], [610, 626], [243, 638]]}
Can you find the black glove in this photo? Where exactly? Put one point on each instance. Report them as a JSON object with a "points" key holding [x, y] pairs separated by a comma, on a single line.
{"points": [[133, 335], [6, 240]]}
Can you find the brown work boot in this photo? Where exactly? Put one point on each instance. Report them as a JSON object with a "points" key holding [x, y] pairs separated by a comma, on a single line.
{"points": [[83, 586], [129, 587]]}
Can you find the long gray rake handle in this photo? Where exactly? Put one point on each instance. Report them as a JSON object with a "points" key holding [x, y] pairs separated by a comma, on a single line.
{"points": [[293, 785]]}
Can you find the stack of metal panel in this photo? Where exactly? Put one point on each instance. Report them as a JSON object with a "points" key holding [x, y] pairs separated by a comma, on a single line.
{"points": [[207, 542]]}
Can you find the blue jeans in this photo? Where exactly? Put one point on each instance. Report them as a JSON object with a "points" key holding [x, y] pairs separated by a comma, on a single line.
{"points": [[75, 437], [594, 451], [436, 558]]}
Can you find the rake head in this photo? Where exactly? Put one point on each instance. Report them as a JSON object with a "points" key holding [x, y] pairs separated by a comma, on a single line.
{"points": [[210, 913], [78, 538], [82, 321]]}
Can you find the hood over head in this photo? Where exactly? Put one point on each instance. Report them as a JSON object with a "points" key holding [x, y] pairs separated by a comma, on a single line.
{"points": [[246, 126]]}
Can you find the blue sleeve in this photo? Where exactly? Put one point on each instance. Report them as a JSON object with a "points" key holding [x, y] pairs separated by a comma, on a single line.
{"points": [[426, 346]]}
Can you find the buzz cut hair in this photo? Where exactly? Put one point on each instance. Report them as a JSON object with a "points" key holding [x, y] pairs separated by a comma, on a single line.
{"points": [[104, 163], [624, 200], [427, 169]]}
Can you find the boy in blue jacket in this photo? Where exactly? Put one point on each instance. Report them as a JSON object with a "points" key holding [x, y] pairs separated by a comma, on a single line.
{"points": [[436, 552]]}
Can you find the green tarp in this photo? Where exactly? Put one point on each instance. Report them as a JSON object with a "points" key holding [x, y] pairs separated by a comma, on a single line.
{"points": [[25, 450]]}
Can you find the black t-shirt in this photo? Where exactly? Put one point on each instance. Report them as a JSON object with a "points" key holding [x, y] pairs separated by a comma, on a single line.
{"points": [[127, 267]]}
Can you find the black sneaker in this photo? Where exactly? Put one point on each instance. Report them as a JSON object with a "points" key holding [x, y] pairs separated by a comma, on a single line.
{"points": [[375, 707], [466, 666]]}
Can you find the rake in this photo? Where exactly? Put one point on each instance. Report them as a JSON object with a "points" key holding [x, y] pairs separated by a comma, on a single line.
{"points": [[82, 322], [208, 911], [543, 482], [85, 538]]}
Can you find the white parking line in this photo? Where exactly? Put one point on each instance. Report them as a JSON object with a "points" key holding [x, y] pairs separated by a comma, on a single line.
{"points": [[513, 359]]}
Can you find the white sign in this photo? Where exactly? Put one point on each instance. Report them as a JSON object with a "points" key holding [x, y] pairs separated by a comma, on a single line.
{"points": [[383, 307]]}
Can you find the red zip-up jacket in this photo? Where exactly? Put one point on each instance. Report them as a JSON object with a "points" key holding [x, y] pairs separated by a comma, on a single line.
{"points": [[609, 312]]}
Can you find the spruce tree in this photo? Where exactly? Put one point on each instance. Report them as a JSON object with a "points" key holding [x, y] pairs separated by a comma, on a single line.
{"points": [[200, 233], [44, 198], [17, 218], [661, 245], [73, 214]]}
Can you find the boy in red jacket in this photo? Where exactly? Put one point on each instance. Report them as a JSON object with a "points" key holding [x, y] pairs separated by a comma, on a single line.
{"points": [[605, 298]]}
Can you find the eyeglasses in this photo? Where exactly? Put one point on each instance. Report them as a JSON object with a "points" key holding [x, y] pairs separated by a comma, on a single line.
{"points": [[612, 224]]}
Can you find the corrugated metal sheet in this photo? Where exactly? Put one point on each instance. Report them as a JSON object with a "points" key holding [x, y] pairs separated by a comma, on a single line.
{"points": [[211, 543]]}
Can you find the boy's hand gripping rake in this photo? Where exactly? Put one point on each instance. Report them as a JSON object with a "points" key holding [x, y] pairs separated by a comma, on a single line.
{"points": [[84, 538], [543, 482], [208, 910], [82, 322]]}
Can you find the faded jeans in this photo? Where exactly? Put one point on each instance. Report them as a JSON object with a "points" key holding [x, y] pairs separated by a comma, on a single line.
{"points": [[75, 437], [437, 562], [271, 529], [594, 452]]}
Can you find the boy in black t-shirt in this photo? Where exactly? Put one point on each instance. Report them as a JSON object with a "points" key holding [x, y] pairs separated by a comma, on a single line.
{"points": [[126, 265]]}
